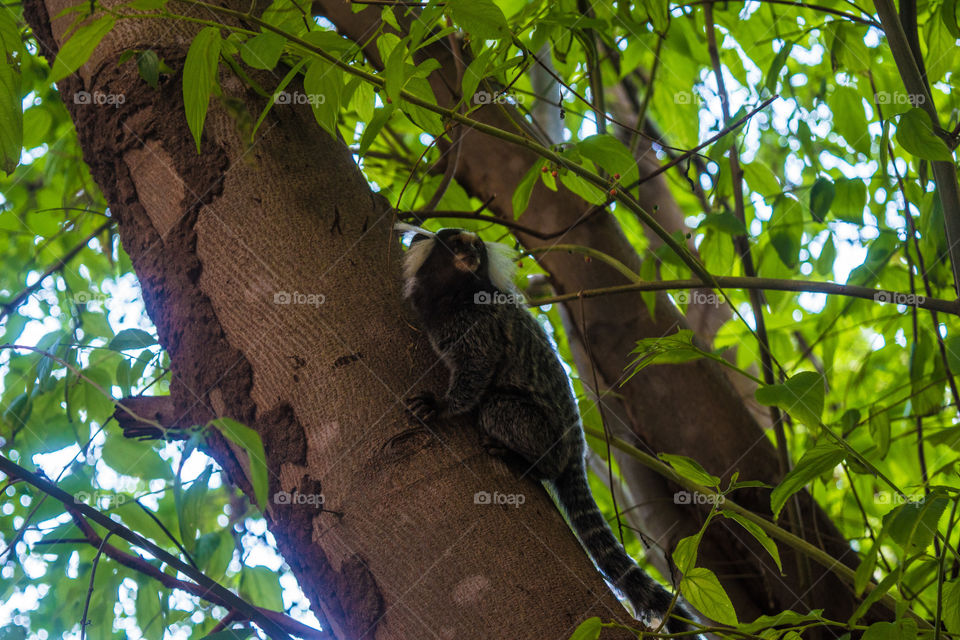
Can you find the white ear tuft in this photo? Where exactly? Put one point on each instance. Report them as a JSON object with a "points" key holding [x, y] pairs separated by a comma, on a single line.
{"points": [[502, 267], [407, 229]]}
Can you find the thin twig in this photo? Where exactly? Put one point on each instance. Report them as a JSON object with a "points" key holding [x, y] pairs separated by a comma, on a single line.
{"points": [[93, 574]]}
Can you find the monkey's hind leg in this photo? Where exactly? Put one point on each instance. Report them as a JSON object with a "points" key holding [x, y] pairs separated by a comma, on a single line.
{"points": [[523, 429]]}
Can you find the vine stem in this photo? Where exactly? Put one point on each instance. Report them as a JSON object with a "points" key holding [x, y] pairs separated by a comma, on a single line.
{"points": [[773, 284]]}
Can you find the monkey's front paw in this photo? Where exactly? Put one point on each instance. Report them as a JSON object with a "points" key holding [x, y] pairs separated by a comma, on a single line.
{"points": [[423, 406], [494, 447]]}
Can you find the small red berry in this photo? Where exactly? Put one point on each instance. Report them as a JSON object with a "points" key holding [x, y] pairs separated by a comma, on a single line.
{"points": [[554, 173], [544, 169], [613, 192]]}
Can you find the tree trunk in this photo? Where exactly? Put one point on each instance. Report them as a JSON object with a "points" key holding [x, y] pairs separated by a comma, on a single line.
{"points": [[227, 245]]}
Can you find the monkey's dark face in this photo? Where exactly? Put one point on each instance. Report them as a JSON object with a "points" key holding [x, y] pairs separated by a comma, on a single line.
{"points": [[456, 264], [452, 262], [466, 249]]}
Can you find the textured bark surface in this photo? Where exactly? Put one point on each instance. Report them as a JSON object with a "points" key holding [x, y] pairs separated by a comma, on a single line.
{"points": [[690, 409], [215, 238]]}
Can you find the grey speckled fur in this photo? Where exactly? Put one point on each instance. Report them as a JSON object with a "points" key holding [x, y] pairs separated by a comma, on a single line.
{"points": [[503, 367]]}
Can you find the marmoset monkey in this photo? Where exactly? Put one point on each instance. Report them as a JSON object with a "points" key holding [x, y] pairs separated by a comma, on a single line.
{"points": [[503, 366]]}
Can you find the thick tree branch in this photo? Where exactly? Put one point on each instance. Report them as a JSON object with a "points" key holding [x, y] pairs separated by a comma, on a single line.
{"points": [[773, 284]]}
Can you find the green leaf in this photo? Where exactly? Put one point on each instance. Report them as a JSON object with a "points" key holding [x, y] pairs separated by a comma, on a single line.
{"points": [[582, 188], [148, 64], [80, 47], [951, 606], [821, 197], [690, 469], [136, 459], [213, 554], [848, 48], [915, 134], [131, 339], [725, 222], [801, 396], [261, 586], [658, 11], [784, 618], [474, 74], [849, 118], [248, 440], [828, 254], [380, 118], [200, 78], [589, 629], [786, 229], [948, 14], [867, 565], [850, 198], [758, 533], [190, 507], [482, 19], [685, 553], [150, 617], [263, 50], [611, 154], [10, 38], [423, 118], [762, 180], [673, 349], [11, 116], [521, 195], [879, 426], [887, 631], [913, 525], [702, 589], [773, 73], [322, 83], [813, 463]]}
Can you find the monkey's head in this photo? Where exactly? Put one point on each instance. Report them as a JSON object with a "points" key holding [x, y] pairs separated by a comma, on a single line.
{"points": [[455, 260]]}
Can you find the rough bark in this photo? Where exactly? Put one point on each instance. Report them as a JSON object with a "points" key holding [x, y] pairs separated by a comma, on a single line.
{"points": [[403, 551], [689, 409]]}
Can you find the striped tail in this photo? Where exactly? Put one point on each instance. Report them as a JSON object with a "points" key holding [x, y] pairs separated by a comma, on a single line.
{"points": [[645, 594]]}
